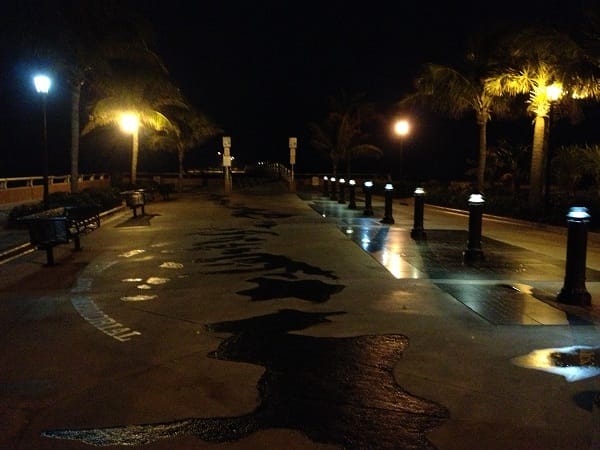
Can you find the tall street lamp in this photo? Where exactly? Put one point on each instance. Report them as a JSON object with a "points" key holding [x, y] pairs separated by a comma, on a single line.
{"points": [[401, 128], [553, 93], [130, 123], [42, 85]]}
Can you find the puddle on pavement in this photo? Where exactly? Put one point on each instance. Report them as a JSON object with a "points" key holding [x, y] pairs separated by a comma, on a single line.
{"points": [[573, 363], [157, 280], [171, 265], [138, 298], [131, 253], [314, 291], [339, 391]]}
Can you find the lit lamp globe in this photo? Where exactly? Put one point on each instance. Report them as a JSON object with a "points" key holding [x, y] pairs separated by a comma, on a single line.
{"points": [[402, 127]]}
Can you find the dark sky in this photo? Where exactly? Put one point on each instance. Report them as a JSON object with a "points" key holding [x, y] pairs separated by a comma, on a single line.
{"points": [[262, 70]]}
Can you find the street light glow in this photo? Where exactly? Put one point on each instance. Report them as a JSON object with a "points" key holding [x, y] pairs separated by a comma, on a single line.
{"points": [[42, 83], [402, 127], [554, 91], [129, 122]]}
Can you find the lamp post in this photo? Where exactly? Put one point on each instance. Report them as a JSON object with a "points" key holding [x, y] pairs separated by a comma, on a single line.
{"points": [[401, 128], [293, 144], [42, 86], [227, 162], [130, 123]]}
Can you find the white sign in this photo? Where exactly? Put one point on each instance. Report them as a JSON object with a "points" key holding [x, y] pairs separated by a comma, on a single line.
{"points": [[226, 158]]}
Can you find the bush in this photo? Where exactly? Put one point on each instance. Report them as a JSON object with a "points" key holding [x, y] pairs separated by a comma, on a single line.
{"points": [[103, 198]]}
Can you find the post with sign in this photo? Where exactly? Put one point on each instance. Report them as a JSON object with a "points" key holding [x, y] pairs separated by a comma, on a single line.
{"points": [[293, 145], [227, 162]]}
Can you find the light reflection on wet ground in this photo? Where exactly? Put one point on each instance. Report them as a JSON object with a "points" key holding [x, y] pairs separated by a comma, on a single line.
{"points": [[495, 288], [573, 363]]}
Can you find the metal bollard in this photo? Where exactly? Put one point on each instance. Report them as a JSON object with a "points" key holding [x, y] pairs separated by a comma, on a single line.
{"points": [[352, 194], [418, 232], [574, 291], [473, 253], [325, 186], [389, 195], [342, 193], [368, 190], [333, 195]]}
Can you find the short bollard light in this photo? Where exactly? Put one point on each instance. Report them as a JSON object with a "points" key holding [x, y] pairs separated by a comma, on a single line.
{"points": [[368, 191], [473, 253], [325, 186], [389, 195], [352, 194], [333, 187], [342, 193], [574, 291], [418, 232]]}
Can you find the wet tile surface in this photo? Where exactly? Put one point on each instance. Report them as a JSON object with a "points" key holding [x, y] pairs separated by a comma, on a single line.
{"points": [[485, 286]]}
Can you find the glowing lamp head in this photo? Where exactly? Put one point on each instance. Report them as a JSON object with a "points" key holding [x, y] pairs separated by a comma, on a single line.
{"points": [[554, 91], [129, 122], [476, 199], [342, 180], [42, 83], [402, 127], [368, 184], [325, 178], [419, 191], [578, 213], [389, 187], [332, 179], [351, 182]]}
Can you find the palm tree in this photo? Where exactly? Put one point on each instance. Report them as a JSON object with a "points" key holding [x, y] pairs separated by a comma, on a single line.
{"points": [[141, 90], [544, 65], [78, 38], [453, 93], [342, 133], [192, 129]]}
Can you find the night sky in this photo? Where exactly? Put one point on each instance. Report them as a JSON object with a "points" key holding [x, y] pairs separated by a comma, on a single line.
{"points": [[263, 70]]}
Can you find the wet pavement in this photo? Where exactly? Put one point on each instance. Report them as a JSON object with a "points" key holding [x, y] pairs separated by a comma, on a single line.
{"points": [[264, 319]]}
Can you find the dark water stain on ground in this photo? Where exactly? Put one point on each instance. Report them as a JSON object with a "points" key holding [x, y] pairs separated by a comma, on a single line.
{"points": [[310, 290], [335, 390]]}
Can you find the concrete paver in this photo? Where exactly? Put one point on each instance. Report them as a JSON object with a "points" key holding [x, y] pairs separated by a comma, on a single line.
{"points": [[249, 320]]}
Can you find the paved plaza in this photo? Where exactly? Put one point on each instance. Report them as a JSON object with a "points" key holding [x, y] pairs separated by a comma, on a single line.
{"points": [[265, 319]]}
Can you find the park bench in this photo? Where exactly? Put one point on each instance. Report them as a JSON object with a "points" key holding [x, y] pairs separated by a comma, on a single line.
{"points": [[165, 190], [62, 225]]}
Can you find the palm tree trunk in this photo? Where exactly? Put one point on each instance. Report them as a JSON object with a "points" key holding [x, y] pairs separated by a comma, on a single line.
{"points": [[537, 165], [482, 155], [134, 156], [75, 99], [180, 157]]}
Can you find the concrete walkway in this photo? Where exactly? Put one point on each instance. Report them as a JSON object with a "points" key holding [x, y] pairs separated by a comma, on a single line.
{"points": [[264, 319]]}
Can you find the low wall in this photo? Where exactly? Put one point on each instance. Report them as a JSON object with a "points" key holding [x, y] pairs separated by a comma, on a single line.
{"points": [[31, 189]]}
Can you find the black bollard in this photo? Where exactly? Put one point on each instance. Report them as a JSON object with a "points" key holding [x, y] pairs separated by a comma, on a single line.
{"points": [[368, 191], [574, 291], [325, 186], [418, 232], [333, 195], [342, 193], [352, 194], [473, 253], [389, 196]]}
